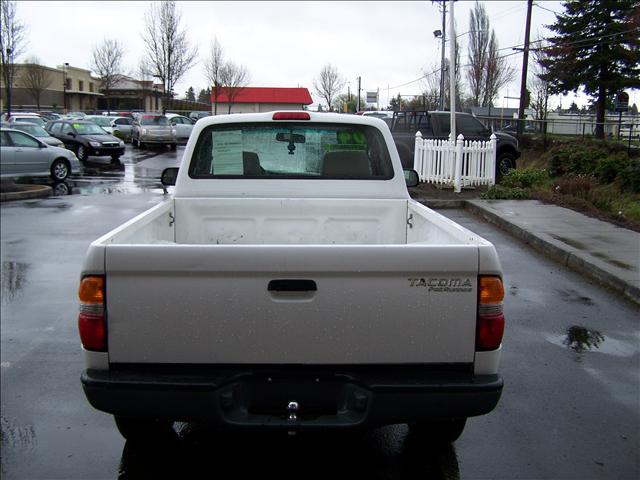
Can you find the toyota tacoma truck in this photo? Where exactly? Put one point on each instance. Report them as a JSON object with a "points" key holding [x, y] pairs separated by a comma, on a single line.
{"points": [[290, 282], [405, 125]]}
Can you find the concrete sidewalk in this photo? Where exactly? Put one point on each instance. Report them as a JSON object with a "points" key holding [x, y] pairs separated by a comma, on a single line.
{"points": [[602, 251]]}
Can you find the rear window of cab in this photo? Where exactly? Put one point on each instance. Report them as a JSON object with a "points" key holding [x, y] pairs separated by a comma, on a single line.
{"points": [[291, 150]]}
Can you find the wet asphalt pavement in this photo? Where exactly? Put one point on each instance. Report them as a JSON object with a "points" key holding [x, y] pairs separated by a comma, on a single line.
{"points": [[571, 364]]}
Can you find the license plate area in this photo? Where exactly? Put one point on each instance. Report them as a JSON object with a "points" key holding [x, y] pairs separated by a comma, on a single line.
{"points": [[313, 396]]}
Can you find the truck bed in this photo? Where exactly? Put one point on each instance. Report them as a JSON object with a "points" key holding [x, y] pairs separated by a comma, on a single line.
{"points": [[392, 282]]}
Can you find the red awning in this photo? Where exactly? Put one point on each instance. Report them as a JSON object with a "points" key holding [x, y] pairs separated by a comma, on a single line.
{"points": [[298, 96]]}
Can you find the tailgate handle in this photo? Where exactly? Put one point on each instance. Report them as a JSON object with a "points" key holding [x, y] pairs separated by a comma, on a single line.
{"points": [[292, 285]]}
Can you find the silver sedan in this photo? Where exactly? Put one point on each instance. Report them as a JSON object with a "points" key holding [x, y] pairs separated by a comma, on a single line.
{"points": [[24, 155]]}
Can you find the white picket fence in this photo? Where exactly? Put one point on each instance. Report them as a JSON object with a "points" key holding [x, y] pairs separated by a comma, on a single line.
{"points": [[436, 161]]}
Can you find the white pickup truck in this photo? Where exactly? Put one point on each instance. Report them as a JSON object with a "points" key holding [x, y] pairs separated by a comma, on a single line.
{"points": [[290, 282]]}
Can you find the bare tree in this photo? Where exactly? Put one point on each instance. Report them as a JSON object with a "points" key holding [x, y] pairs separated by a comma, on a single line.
{"points": [[498, 72], [431, 84], [213, 70], [234, 78], [487, 73], [168, 52], [477, 52], [540, 87], [431, 87], [329, 83], [106, 62], [35, 78], [12, 44]]}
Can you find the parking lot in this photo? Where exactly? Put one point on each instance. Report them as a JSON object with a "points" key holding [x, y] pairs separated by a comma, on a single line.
{"points": [[570, 362]]}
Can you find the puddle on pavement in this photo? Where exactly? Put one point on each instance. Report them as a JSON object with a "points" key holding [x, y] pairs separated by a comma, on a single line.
{"points": [[13, 279], [582, 340]]}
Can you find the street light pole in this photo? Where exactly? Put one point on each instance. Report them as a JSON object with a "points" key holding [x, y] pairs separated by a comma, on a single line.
{"points": [[444, 23]]}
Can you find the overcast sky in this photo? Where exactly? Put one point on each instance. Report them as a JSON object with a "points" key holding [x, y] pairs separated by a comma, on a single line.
{"points": [[285, 44]]}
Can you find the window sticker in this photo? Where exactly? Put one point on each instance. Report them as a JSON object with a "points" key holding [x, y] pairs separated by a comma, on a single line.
{"points": [[227, 152]]}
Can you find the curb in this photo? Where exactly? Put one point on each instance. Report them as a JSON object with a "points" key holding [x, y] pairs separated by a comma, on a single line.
{"points": [[30, 191], [568, 259]]}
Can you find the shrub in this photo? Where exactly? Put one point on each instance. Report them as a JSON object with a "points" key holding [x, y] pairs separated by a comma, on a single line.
{"points": [[575, 158], [525, 178], [611, 166], [499, 192], [576, 185], [629, 178]]}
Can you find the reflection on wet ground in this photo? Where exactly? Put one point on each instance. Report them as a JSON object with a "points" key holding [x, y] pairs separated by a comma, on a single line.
{"points": [[13, 278], [138, 171], [580, 339], [202, 453]]}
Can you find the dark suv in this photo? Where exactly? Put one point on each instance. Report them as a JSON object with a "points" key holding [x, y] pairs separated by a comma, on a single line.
{"points": [[86, 139]]}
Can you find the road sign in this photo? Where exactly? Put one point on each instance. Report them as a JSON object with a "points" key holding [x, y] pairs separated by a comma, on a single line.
{"points": [[622, 102], [372, 97]]}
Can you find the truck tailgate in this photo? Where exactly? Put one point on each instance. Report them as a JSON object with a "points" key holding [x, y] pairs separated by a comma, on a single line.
{"points": [[245, 304]]}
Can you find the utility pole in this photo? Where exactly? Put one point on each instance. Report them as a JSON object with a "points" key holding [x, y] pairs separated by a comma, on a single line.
{"points": [[358, 108], [525, 64], [444, 16]]}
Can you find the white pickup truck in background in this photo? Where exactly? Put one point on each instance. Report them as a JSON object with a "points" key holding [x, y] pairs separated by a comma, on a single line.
{"points": [[290, 282]]}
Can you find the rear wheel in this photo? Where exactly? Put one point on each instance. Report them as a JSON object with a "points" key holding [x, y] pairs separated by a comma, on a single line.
{"points": [[505, 162], [137, 429], [438, 433], [59, 170]]}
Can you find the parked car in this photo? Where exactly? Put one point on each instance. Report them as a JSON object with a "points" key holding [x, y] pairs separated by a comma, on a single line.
{"points": [[78, 115], [197, 115], [378, 114], [86, 139], [27, 118], [153, 129], [123, 125], [513, 128], [38, 132], [102, 121], [182, 124], [49, 116], [628, 129], [23, 154]]}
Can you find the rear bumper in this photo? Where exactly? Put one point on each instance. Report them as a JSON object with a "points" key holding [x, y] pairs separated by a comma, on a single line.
{"points": [[258, 397]]}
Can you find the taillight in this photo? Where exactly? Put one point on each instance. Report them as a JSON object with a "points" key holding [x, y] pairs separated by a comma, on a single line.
{"points": [[291, 116], [91, 321], [490, 326]]}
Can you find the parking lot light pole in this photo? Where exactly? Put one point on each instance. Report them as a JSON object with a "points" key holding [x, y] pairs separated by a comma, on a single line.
{"points": [[64, 86]]}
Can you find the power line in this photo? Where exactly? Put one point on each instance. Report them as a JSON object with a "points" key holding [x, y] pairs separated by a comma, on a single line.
{"points": [[547, 9], [596, 39]]}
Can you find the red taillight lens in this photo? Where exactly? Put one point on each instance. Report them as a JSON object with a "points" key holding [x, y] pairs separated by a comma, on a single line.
{"points": [[489, 332], [93, 332], [490, 324], [91, 321], [291, 116]]}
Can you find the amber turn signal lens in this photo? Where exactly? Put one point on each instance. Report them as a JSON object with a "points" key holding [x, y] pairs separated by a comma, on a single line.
{"points": [[92, 290], [491, 290]]}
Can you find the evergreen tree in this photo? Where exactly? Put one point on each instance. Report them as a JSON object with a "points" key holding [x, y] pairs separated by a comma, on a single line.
{"points": [[190, 95], [205, 96], [596, 47]]}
